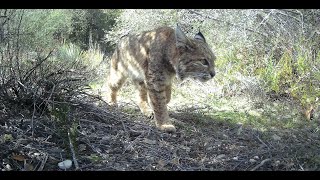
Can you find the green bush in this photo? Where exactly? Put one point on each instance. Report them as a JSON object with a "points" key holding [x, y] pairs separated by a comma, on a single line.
{"points": [[295, 74]]}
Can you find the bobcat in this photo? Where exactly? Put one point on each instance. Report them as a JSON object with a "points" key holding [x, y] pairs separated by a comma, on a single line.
{"points": [[152, 59]]}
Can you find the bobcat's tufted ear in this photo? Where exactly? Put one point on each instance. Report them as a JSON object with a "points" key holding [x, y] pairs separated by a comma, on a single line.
{"points": [[199, 36], [181, 38]]}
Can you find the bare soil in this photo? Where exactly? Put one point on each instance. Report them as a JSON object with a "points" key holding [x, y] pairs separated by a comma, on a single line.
{"points": [[108, 139]]}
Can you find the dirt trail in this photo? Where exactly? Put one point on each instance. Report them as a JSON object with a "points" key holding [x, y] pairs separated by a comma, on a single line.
{"points": [[108, 139]]}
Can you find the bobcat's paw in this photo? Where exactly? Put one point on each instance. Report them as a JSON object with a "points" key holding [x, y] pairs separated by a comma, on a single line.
{"points": [[169, 128], [113, 104]]}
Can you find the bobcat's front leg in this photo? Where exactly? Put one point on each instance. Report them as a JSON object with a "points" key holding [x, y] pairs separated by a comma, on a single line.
{"points": [[168, 93], [158, 101]]}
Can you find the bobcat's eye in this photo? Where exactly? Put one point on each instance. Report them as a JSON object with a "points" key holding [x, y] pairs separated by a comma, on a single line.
{"points": [[205, 62]]}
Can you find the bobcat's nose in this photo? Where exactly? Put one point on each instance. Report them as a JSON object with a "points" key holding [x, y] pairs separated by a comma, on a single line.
{"points": [[212, 74]]}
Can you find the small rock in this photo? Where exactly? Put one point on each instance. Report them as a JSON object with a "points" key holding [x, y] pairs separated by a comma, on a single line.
{"points": [[106, 138], [294, 136], [65, 164], [149, 141], [82, 147], [225, 136], [220, 156], [235, 158], [276, 163], [256, 157], [185, 148], [252, 160], [162, 163], [276, 137], [209, 148], [8, 167]]}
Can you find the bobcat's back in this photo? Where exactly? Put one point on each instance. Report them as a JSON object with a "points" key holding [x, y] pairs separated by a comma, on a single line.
{"points": [[134, 53]]}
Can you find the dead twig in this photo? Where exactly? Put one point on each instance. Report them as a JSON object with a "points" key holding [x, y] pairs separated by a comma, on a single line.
{"points": [[33, 114], [261, 164], [73, 153], [28, 74], [262, 142], [43, 162]]}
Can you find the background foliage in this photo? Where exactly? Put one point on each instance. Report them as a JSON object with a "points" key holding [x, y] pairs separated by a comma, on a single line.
{"points": [[56, 54], [277, 50], [252, 115]]}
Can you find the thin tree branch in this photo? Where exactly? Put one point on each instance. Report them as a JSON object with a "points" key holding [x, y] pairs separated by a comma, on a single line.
{"points": [[73, 153], [35, 67], [226, 22], [265, 19]]}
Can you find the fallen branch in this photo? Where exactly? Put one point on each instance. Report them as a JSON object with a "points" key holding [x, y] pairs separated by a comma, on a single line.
{"points": [[72, 151], [261, 164], [257, 136], [43, 162]]}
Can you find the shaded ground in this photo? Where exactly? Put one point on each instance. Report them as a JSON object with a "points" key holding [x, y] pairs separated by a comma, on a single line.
{"points": [[108, 139]]}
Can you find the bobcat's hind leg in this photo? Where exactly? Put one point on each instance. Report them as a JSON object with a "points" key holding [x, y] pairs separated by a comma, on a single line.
{"points": [[143, 98], [115, 81]]}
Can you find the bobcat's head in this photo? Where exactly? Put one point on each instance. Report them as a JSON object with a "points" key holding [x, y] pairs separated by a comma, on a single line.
{"points": [[196, 60]]}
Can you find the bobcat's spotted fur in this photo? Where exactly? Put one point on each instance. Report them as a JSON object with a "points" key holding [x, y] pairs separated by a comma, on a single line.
{"points": [[152, 59]]}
